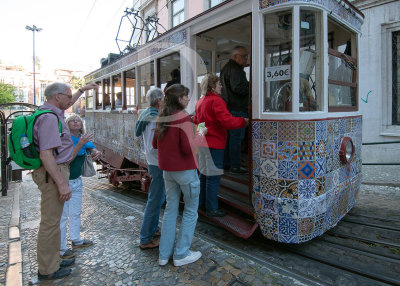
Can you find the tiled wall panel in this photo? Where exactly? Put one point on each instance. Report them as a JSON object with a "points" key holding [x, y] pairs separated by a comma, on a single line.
{"points": [[300, 186]]}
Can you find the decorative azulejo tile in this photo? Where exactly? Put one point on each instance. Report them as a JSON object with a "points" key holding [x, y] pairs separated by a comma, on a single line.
{"points": [[321, 149], [333, 128], [342, 126], [287, 226], [288, 189], [307, 189], [257, 201], [268, 149], [348, 125], [269, 186], [320, 130], [319, 224], [287, 170], [256, 183], [306, 151], [288, 239], [304, 238], [256, 148], [305, 226], [268, 223], [287, 150], [306, 208], [255, 130], [269, 204], [320, 204], [269, 168], [306, 170], [321, 183], [256, 166], [287, 208], [269, 130], [287, 131], [320, 167], [306, 131]]}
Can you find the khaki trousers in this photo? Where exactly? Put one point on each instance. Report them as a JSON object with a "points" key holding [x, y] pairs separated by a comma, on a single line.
{"points": [[48, 243]]}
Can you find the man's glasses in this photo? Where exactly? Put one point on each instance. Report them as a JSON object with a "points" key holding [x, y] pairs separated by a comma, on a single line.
{"points": [[244, 56]]}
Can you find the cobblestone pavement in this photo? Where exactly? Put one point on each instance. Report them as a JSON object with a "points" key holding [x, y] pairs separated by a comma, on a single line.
{"points": [[116, 258]]}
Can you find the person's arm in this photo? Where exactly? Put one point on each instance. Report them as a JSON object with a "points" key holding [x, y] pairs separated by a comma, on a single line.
{"points": [[78, 93], [49, 163], [96, 154], [82, 141], [225, 118]]}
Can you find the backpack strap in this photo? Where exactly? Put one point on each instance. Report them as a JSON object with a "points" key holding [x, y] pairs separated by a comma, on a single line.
{"points": [[45, 111]]}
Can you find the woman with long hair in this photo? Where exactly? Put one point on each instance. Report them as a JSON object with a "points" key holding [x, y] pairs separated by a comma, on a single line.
{"points": [[211, 109], [176, 142]]}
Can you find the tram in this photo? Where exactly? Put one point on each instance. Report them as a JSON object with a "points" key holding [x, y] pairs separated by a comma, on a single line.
{"points": [[304, 141]]}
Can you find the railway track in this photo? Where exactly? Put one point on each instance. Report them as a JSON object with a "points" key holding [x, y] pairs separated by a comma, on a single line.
{"points": [[350, 254]]}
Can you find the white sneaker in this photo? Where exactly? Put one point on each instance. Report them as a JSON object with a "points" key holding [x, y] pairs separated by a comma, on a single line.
{"points": [[162, 262], [192, 257]]}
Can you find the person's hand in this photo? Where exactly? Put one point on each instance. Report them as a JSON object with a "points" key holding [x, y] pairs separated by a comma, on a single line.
{"points": [[89, 86], [65, 193], [96, 154], [247, 121], [85, 138]]}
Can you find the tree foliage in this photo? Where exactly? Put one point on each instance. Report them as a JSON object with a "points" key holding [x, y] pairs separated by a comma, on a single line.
{"points": [[77, 82], [6, 93]]}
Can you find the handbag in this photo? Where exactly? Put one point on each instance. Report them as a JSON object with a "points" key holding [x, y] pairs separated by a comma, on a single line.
{"points": [[87, 167]]}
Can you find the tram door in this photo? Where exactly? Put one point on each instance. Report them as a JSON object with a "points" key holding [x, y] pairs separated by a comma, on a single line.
{"points": [[214, 48]]}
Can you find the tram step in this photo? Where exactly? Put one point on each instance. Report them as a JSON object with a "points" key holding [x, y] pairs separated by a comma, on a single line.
{"points": [[236, 200], [235, 224], [235, 186]]}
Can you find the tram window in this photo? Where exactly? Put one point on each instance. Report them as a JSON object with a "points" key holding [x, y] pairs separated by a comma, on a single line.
{"points": [[99, 95], [169, 70], [310, 82], [278, 67], [89, 99], [107, 94], [342, 79], [146, 82], [117, 95], [130, 83]]}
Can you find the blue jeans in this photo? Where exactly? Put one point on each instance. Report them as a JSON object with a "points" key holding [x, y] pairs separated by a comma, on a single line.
{"points": [[72, 211], [210, 167], [186, 182], [236, 137], [155, 199]]}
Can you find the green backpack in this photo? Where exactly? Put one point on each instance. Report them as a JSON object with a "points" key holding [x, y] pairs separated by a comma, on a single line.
{"points": [[27, 158]]}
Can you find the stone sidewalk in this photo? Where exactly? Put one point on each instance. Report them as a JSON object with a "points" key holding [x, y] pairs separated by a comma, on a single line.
{"points": [[116, 258]]}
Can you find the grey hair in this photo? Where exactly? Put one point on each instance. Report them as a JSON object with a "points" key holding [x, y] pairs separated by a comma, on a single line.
{"points": [[55, 88], [153, 95], [236, 49]]}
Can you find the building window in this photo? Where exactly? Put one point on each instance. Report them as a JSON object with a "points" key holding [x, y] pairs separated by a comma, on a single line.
{"points": [[396, 78], [178, 12], [213, 3]]}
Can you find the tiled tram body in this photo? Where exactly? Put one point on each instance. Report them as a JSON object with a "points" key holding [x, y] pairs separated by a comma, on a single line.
{"points": [[300, 181]]}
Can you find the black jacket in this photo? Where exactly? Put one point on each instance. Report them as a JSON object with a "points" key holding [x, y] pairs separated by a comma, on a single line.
{"points": [[235, 87]]}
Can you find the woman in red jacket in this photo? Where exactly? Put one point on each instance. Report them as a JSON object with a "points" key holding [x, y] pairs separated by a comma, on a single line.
{"points": [[175, 140], [211, 109]]}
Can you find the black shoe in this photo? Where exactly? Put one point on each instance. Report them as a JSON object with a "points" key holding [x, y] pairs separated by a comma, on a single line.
{"points": [[68, 254], [238, 171], [60, 273], [217, 212], [67, 262]]}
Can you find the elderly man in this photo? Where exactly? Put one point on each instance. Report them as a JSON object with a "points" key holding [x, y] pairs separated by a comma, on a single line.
{"points": [[55, 151], [145, 126], [236, 93]]}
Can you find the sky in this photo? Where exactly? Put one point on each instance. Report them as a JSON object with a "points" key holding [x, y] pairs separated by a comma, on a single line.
{"points": [[76, 33]]}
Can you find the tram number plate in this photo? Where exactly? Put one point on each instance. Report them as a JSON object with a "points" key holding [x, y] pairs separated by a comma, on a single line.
{"points": [[277, 73]]}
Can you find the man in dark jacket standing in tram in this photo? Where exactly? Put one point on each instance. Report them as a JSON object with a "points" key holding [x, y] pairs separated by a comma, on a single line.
{"points": [[236, 93]]}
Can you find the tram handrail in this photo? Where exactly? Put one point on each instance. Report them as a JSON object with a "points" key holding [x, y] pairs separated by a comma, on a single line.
{"points": [[378, 143]]}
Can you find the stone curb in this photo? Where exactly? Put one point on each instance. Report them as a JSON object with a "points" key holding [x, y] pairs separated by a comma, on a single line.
{"points": [[14, 270]]}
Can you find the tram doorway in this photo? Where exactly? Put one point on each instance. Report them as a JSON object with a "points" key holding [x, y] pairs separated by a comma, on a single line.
{"points": [[214, 50]]}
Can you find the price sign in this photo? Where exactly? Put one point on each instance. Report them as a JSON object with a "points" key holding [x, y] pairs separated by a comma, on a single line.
{"points": [[277, 73]]}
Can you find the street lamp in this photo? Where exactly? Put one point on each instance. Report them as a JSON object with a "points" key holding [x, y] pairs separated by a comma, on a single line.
{"points": [[33, 29]]}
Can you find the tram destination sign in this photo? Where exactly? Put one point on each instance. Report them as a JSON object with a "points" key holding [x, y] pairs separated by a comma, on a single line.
{"points": [[276, 73]]}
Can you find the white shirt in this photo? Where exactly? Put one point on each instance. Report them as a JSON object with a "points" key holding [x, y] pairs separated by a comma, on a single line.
{"points": [[150, 153]]}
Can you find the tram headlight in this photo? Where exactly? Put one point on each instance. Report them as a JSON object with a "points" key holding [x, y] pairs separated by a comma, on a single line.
{"points": [[347, 150]]}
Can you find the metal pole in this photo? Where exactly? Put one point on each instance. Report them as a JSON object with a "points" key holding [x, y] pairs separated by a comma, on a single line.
{"points": [[34, 72], [3, 142]]}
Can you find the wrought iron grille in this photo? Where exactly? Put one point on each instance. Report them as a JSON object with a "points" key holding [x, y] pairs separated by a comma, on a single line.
{"points": [[396, 78]]}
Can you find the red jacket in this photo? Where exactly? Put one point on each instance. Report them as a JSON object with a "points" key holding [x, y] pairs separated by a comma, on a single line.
{"points": [[177, 148], [212, 110]]}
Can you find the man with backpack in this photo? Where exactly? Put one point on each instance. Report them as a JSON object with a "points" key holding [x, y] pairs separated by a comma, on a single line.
{"points": [[55, 146]]}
